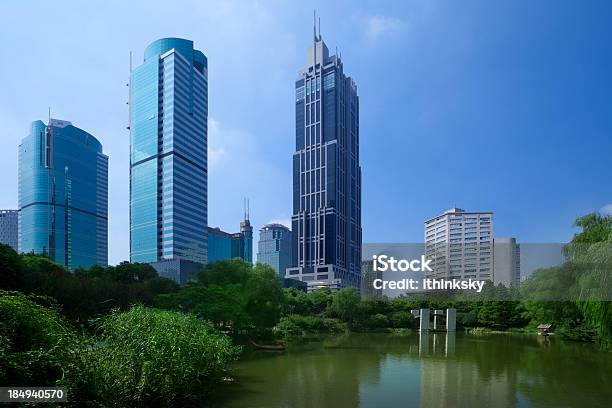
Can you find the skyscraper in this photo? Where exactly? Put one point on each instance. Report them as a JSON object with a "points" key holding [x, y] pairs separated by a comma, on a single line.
{"points": [[460, 245], [274, 247], [168, 162], [63, 195], [8, 228], [326, 221]]}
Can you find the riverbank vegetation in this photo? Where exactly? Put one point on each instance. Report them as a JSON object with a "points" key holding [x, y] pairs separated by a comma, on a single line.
{"points": [[122, 333]]}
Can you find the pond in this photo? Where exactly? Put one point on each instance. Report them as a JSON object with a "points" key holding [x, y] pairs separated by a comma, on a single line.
{"points": [[424, 370]]}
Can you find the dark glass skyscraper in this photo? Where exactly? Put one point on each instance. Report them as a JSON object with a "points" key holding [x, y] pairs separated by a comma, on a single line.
{"points": [[169, 165], [63, 195], [326, 221]]}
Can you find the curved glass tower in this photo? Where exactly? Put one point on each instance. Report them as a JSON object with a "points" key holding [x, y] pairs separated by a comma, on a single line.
{"points": [[168, 163], [63, 195]]}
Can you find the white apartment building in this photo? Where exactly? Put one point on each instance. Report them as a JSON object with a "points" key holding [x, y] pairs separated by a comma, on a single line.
{"points": [[460, 245]]}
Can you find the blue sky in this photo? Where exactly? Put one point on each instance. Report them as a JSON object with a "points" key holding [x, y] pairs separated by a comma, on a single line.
{"points": [[500, 106]]}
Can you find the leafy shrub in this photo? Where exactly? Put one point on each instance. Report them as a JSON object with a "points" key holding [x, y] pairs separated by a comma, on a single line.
{"points": [[378, 321], [152, 357], [295, 325], [35, 342], [402, 319]]}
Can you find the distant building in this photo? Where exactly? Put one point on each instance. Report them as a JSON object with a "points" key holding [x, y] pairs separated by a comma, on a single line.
{"points": [[169, 156], [326, 220], [506, 262], [9, 220], [460, 245], [224, 245], [63, 195], [179, 270], [368, 275], [274, 247]]}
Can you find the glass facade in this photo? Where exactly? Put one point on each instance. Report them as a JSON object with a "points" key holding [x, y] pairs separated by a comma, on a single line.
{"points": [[326, 221], [274, 247], [224, 245], [168, 161], [63, 195]]}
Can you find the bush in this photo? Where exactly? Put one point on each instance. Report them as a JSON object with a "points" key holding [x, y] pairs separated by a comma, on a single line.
{"points": [[151, 357], [378, 321], [402, 319], [296, 325], [35, 342]]}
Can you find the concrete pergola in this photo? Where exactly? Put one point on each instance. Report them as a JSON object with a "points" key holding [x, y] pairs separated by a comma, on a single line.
{"points": [[450, 315]]}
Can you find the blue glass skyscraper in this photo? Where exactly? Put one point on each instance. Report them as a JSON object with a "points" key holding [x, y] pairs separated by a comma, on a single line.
{"points": [[326, 221], [63, 195], [168, 165]]}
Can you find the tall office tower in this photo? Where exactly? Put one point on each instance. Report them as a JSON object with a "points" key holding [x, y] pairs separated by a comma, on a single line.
{"points": [[63, 195], [506, 262], [274, 247], [459, 243], [326, 221], [168, 162], [9, 228]]}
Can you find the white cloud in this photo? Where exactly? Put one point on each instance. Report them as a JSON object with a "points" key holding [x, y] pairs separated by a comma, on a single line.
{"points": [[281, 219], [377, 26], [606, 210]]}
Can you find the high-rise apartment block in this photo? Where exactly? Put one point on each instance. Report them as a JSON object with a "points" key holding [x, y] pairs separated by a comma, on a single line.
{"points": [[326, 221], [460, 245], [168, 162], [9, 228], [274, 247], [63, 195]]}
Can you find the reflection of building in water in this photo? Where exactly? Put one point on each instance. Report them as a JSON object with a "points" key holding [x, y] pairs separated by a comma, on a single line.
{"points": [[450, 382], [368, 275]]}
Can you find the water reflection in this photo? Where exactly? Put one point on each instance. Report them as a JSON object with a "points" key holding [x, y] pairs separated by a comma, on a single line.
{"points": [[427, 369]]}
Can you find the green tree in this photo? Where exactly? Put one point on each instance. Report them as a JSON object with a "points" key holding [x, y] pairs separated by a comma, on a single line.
{"points": [[346, 304], [35, 341], [11, 269]]}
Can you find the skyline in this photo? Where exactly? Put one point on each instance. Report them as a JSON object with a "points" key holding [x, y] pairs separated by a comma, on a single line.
{"points": [[428, 120]]}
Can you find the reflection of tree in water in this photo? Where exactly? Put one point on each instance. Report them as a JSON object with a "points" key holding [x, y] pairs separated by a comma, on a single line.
{"points": [[329, 375]]}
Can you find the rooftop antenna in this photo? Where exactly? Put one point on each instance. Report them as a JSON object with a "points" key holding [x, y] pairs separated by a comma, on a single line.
{"points": [[319, 28], [129, 101], [248, 209], [314, 25]]}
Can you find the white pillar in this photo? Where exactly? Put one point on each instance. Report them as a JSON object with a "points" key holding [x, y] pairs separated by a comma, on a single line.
{"points": [[451, 320], [438, 313], [424, 320], [424, 343]]}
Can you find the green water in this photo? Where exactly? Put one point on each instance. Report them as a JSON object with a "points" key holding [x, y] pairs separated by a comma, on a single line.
{"points": [[434, 370]]}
